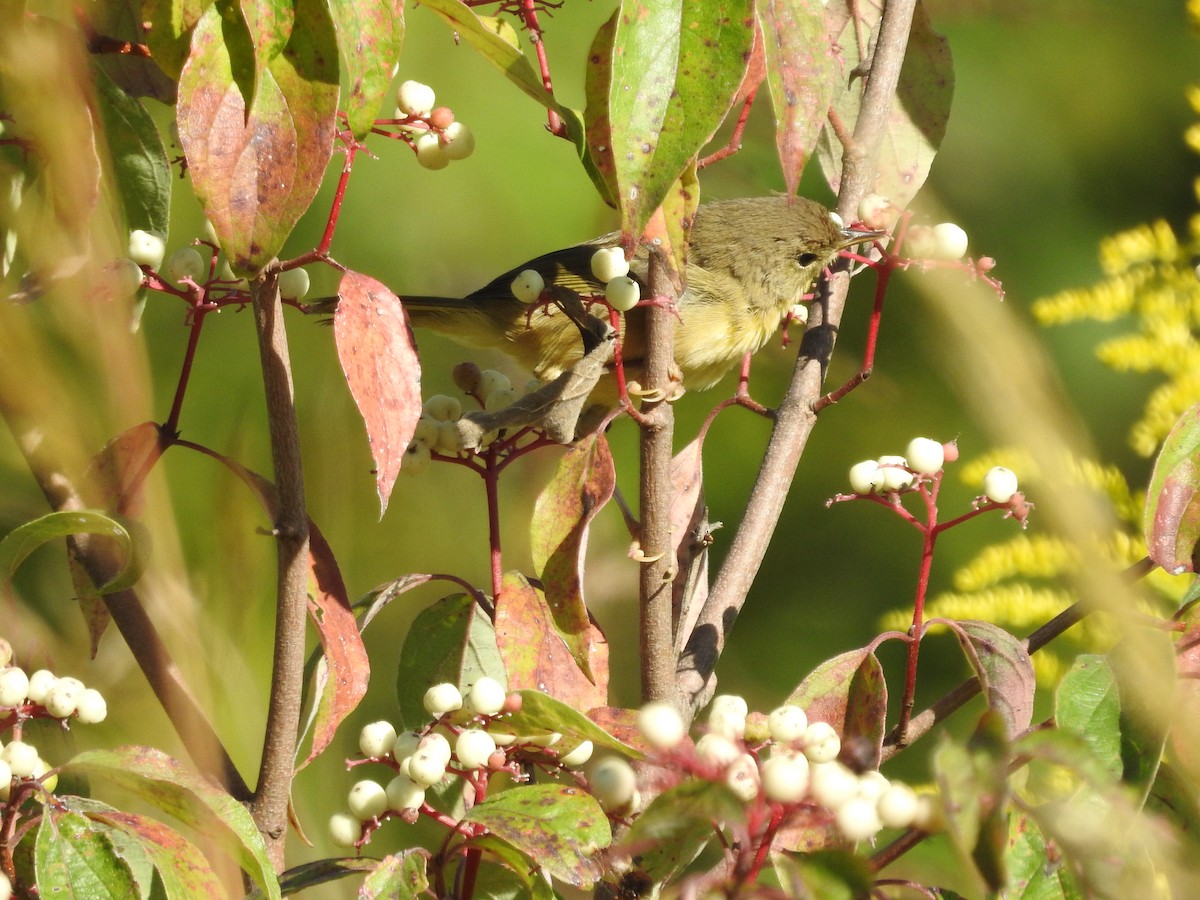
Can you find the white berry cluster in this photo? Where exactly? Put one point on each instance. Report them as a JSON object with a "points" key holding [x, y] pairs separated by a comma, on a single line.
{"points": [[437, 430], [461, 741], [924, 457], [440, 138], [944, 241], [781, 758], [610, 266], [39, 695]]}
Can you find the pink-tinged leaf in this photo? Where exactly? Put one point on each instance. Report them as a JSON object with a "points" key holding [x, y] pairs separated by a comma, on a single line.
{"points": [[178, 862], [916, 122], [257, 165], [119, 471], [675, 69], [371, 35], [583, 483], [596, 121], [180, 792], [803, 74], [1004, 669], [1172, 519], [75, 862], [400, 876], [378, 354], [848, 692], [535, 655], [622, 724], [559, 826], [1185, 730], [342, 682]]}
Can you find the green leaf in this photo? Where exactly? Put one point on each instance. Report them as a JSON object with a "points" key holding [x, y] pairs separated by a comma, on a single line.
{"points": [[397, 877], [559, 826], [167, 785], [676, 68], [75, 861], [452, 640], [320, 871], [828, 874], [370, 35], [140, 168], [916, 122], [1036, 869], [24, 539], [850, 693], [677, 825], [541, 714], [582, 484], [1145, 671], [802, 75], [1004, 669], [1088, 703], [257, 164], [1171, 524], [169, 35]]}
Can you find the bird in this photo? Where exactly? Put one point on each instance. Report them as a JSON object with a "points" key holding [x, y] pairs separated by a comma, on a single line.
{"points": [[749, 261]]}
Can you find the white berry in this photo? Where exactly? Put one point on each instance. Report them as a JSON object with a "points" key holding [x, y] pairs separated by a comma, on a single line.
{"points": [[367, 799], [6, 888], [999, 484], [622, 293], [404, 793], [40, 683], [406, 745], [949, 241], [486, 696], [293, 284], [896, 476], [831, 784], [785, 778], [865, 477], [442, 698], [857, 819], [578, 756], [717, 750], [612, 782], [14, 686], [92, 708], [609, 263], [473, 747], [5, 778], [442, 408], [500, 399], [742, 777], [925, 456], [186, 263], [415, 98], [63, 698], [457, 141], [125, 277], [344, 830], [417, 458], [377, 739], [146, 249], [787, 723], [528, 285], [821, 742], [21, 757], [897, 806], [430, 152], [661, 725], [872, 783]]}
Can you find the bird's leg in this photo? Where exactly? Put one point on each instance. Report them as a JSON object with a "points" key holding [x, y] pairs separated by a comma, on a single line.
{"points": [[742, 396]]}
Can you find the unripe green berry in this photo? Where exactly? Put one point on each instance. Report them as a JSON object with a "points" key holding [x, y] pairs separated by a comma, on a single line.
{"points": [[427, 431], [486, 696], [49, 782], [146, 249], [999, 484], [92, 708], [500, 398], [404, 793], [186, 262], [442, 698], [609, 263], [528, 285], [458, 142], [429, 151], [623, 293], [293, 284], [415, 98], [367, 799], [787, 723], [925, 456], [493, 380], [344, 830], [612, 782], [661, 725], [577, 757], [473, 747], [866, 477], [417, 458], [821, 742], [377, 739], [14, 686], [443, 408]]}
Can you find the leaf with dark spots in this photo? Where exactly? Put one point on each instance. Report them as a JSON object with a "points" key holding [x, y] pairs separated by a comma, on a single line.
{"points": [[371, 35], [378, 354]]}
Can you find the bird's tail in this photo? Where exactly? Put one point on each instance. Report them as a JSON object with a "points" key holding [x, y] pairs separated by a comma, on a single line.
{"points": [[463, 320]]}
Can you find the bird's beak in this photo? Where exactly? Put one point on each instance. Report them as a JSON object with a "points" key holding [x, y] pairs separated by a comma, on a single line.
{"points": [[852, 236]]}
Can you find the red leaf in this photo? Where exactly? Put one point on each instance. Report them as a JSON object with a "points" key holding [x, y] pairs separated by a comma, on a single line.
{"points": [[379, 357], [534, 654], [343, 682], [583, 483], [1172, 519]]}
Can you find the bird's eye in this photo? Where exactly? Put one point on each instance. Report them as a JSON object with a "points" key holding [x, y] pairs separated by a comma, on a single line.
{"points": [[806, 259]]}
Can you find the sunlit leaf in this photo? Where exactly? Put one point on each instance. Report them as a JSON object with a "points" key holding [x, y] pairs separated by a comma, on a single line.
{"points": [[678, 824], [76, 862], [170, 30], [542, 714], [1172, 518], [378, 354], [1004, 670], [370, 35], [848, 692], [397, 877], [24, 539]]}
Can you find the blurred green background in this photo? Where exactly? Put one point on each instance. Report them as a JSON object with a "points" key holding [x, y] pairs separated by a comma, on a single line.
{"points": [[1066, 126]]}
